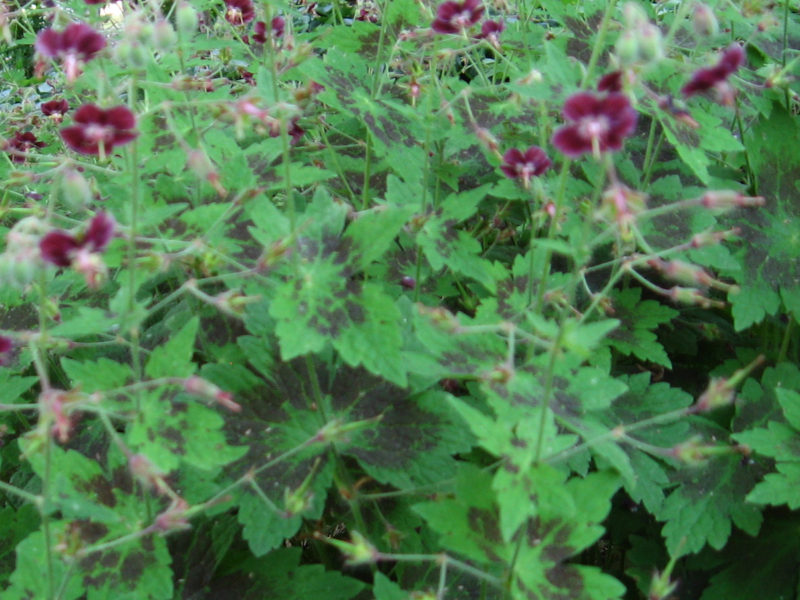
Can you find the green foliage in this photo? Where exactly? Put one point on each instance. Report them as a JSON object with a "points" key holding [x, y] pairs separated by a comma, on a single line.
{"points": [[333, 347]]}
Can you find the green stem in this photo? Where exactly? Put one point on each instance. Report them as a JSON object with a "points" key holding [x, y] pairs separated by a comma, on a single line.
{"points": [[599, 42]]}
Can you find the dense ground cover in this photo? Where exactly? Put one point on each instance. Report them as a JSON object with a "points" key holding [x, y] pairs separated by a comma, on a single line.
{"points": [[399, 299]]}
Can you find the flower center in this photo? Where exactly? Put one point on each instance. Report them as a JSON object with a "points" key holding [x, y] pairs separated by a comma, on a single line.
{"points": [[594, 127], [234, 15], [99, 133], [463, 19]]}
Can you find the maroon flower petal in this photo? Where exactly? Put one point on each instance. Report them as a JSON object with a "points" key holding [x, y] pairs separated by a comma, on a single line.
{"points": [[278, 27], [610, 82], [570, 142], [6, 344], [54, 107], [57, 247], [260, 32], [705, 79], [454, 17], [112, 127], [48, 43], [82, 39], [99, 232], [581, 105], [732, 58], [519, 165], [239, 11], [491, 29], [89, 113], [120, 117]]}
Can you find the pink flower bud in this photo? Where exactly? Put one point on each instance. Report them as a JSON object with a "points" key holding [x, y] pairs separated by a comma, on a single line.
{"points": [[205, 389]]}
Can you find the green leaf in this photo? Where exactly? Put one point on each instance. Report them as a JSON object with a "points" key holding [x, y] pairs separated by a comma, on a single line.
{"points": [[468, 523], [750, 304], [280, 575], [709, 499], [173, 428], [638, 320], [773, 555], [96, 376], [174, 359]]}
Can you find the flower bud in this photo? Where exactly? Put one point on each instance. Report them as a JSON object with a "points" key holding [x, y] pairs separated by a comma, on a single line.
{"points": [[75, 190], [186, 19], [205, 389], [729, 199], [692, 296], [704, 21], [164, 36]]}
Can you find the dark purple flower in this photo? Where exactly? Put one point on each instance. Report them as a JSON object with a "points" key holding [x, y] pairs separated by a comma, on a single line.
{"points": [[99, 130], [278, 27], [99, 232], [715, 77], [18, 145], [78, 42], [61, 248], [490, 31], [239, 11], [260, 32], [58, 247], [6, 346], [455, 17], [54, 107], [599, 123], [518, 165], [610, 82]]}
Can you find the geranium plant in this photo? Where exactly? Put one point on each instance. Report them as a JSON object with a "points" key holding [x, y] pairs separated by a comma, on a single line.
{"points": [[399, 300]]}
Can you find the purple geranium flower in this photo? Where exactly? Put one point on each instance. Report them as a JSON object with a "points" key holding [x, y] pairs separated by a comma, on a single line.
{"points": [[54, 107], [599, 123], [61, 248], [716, 77], [455, 17], [98, 131], [518, 165], [77, 43], [490, 31], [6, 346], [239, 11], [18, 145]]}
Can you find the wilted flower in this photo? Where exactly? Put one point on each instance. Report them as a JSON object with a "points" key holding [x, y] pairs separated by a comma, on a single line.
{"points": [[600, 123], [490, 31], [239, 11], [98, 131], [18, 145], [716, 77], [77, 43], [455, 17], [519, 165]]}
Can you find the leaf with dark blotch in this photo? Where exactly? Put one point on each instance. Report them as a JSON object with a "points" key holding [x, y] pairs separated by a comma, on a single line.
{"points": [[280, 575]]}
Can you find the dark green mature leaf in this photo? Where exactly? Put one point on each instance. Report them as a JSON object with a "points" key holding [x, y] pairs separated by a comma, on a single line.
{"points": [[638, 320], [468, 522], [709, 499], [280, 575], [173, 359], [773, 555], [769, 256], [326, 302], [445, 245], [781, 442], [644, 401], [566, 523], [172, 429]]}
